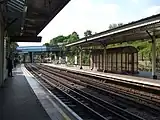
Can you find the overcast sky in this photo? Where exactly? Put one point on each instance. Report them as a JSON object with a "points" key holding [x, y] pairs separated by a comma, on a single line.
{"points": [[96, 15]]}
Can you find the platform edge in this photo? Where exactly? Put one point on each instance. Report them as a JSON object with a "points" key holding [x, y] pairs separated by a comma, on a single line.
{"points": [[67, 113]]}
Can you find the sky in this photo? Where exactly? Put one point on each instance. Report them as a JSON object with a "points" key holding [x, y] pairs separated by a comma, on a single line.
{"points": [[95, 15]]}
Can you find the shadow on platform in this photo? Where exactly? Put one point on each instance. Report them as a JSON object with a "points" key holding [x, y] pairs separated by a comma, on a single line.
{"points": [[18, 101]]}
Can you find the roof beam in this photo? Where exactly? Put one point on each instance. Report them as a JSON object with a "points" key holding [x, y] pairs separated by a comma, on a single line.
{"points": [[38, 13], [14, 2], [25, 39], [38, 16], [10, 9], [15, 8], [3, 1], [35, 19], [13, 5], [27, 34], [20, 2], [30, 27], [30, 31]]}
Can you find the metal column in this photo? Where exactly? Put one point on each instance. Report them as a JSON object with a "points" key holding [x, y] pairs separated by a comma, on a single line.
{"points": [[60, 59], [75, 59], [104, 58], [154, 57], [31, 57], [1, 54], [6, 43], [55, 56], [66, 59], [80, 58], [91, 60], [24, 58]]}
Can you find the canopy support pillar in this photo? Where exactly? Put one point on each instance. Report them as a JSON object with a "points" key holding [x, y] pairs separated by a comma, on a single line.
{"points": [[81, 57], [24, 58], [154, 58], [31, 57], [91, 59], [75, 60], [1, 55], [104, 58], [153, 38]]}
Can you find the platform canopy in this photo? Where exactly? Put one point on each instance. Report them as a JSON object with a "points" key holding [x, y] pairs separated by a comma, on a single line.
{"points": [[29, 17], [138, 30]]}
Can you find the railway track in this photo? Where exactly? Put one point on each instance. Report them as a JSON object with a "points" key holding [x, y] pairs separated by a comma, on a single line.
{"points": [[94, 106], [126, 100], [149, 97]]}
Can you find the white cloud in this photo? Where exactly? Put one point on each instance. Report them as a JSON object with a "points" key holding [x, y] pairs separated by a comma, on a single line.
{"points": [[80, 15], [152, 10], [135, 1]]}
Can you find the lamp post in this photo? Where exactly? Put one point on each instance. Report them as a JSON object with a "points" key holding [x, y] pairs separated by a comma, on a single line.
{"points": [[41, 55], [60, 46]]}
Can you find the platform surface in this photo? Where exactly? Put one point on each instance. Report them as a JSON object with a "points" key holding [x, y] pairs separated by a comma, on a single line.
{"points": [[18, 100], [143, 77]]}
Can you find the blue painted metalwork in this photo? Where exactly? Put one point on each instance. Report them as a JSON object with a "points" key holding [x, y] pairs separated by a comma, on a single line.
{"points": [[26, 49]]}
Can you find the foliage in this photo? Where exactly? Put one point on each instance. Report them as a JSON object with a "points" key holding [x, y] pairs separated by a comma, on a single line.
{"points": [[46, 44], [63, 39], [85, 57], [72, 37], [87, 33], [111, 26], [70, 52], [13, 45], [58, 39]]}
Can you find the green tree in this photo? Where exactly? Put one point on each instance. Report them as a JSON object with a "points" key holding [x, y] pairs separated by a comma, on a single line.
{"points": [[58, 39], [114, 25], [13, 46], [65, 40], [87, 33], [73, 50], [73, 37], [46, 44], [120, 24], [111, 26]]}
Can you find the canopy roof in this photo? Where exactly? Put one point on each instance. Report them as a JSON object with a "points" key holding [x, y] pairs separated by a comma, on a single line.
{"points": [[124, 49], [138, 30], [29, 17]]}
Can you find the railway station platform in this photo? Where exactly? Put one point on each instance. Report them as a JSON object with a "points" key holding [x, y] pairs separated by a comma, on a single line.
{"points": [[23, 98], [141, 78]]}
